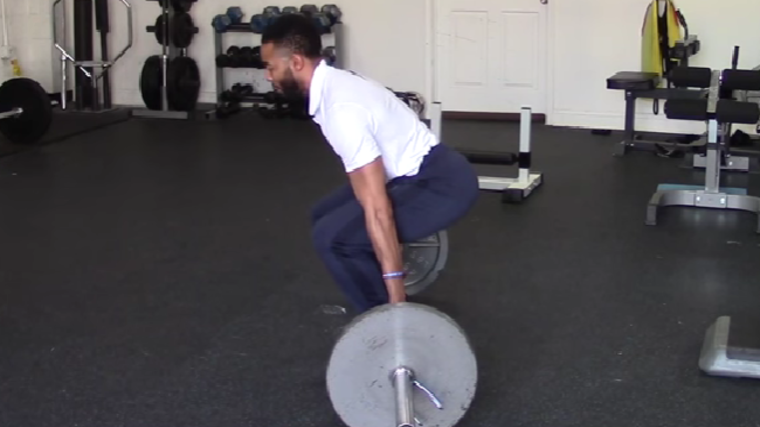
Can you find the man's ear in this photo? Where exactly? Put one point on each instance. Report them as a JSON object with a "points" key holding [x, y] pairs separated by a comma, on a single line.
{"points": [[298, 62]]}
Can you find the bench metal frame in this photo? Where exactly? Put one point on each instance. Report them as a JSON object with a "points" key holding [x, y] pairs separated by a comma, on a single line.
{"points": [[512, 189]]}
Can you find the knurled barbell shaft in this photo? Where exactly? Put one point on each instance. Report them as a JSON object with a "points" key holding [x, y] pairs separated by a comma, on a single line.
{"points": [[402, 383], [422, 245]]}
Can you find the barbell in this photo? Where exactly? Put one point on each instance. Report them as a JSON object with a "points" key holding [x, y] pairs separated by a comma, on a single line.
{"points": [[26, 111], [406, 365]]}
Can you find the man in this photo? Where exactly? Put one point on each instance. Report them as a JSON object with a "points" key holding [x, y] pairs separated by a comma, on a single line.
{"points": [[403, 185]]}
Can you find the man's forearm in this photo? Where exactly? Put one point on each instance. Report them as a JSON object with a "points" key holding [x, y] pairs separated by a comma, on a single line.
{"points": [[381, 227]]}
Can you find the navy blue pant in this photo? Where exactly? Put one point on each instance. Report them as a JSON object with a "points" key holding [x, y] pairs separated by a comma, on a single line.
{"points": [[443, 191]]}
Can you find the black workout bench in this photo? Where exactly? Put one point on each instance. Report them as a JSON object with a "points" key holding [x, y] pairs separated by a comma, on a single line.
{"points": [[644, 85]]}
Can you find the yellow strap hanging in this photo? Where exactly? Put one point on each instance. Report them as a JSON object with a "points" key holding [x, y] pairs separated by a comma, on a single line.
{"points": [[652, 56]]}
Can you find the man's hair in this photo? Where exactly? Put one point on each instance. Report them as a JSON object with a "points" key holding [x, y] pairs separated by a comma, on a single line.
{"points": [[294, 32]]}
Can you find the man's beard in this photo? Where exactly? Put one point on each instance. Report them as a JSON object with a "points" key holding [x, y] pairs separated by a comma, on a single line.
{"points": [[291, 90]]}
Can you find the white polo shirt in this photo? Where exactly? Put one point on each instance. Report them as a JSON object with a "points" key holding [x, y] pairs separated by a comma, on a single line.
{"points": [[363, 120]]}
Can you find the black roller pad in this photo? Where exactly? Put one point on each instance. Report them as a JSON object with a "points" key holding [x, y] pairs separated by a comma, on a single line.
{"points": [[633, 80], [489, 157], [740, 80], [729, 111], [691, 77], [686, 109]]}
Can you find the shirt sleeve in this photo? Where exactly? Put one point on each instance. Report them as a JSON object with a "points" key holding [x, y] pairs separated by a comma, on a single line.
{"points": [[349, 132]]}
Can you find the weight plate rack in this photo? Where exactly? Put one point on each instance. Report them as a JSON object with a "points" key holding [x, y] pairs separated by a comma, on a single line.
{"points": [[268, 104], [170, 82]]}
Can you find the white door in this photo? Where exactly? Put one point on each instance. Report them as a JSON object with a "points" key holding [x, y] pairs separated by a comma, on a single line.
{"points": [[491, 55]]}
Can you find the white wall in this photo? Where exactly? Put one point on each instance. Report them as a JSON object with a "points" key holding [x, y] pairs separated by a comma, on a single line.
{"points": [[388, 40], [30, 31]]}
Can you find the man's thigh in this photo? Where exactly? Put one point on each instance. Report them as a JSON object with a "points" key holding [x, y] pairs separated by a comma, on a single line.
{"points": [[418, 209]]}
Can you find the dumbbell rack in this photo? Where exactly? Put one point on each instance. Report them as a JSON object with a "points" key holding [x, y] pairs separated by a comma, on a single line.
{"points": [[168, 54], [336, 30]]}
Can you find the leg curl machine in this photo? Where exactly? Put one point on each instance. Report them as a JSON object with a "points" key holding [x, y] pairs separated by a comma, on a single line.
{"points": [[717, 111], [732, 345]]}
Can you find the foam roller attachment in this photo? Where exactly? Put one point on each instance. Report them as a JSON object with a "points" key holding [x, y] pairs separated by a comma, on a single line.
{"points": [[491, 158], [740, 80], [686, 109], [694, 77], [729, 111]]}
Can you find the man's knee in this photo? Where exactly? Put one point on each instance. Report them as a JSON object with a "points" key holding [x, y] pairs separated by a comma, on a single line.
{"points": [[322, 235]]}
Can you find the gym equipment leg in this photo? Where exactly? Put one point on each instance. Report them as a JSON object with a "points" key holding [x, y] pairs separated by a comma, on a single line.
{"points": [[731, 349]]}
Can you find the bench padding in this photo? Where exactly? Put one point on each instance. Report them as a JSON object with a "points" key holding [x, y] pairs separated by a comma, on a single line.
{"points": [[633, 80]]}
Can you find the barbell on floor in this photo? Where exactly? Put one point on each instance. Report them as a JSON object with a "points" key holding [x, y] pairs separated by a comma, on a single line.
{"points": [[26, 111], [405, 362], [405, 365]]}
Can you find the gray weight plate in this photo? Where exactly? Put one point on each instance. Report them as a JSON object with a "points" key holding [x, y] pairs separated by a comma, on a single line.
{"points": [[413, 335], [424, 260]]}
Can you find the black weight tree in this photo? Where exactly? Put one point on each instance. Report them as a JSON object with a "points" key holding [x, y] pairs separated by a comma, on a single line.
{"points": [[170, 82]]}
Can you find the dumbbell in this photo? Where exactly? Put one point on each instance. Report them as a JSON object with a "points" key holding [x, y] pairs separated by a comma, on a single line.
{"points": [[322, 22], [247, 57], [272, 11], [233, 53], [223, 61], [221, 23], [256, 58], [309, 9], [236, 14], [261, 21], [333, 12], [242, 90], [237, 92], [289, 10]]}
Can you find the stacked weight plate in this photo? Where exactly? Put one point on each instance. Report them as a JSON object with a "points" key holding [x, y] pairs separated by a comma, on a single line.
{"points": [[174, 30]]}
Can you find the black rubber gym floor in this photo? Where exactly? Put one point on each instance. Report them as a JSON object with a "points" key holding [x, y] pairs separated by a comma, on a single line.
{"points": [[157, 273]]}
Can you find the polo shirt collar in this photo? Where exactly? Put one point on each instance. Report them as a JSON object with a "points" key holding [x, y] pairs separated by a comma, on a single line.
{"points": [[317, 87]]}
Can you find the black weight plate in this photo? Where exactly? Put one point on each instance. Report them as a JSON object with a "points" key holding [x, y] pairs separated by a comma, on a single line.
{"points": [[183, 30], [150, 82], [424, 260], [178, 5], [32, 124], [160, 29], [183, 83]]}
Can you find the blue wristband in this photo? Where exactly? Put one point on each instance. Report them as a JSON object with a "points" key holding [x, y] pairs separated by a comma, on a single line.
{"points": [[394, 275]]}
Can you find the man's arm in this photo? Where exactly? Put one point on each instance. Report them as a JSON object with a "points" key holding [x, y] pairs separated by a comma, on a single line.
{"points": [[349, 130], [368, 183]]}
